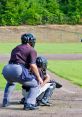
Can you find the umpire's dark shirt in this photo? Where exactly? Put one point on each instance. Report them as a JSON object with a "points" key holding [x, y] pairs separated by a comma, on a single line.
{"points": [[23, 54]]}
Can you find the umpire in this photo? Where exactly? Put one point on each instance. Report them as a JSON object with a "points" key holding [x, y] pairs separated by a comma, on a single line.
{"points": [[22, 69]]}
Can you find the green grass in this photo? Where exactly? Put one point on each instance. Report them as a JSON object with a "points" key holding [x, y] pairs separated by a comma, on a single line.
{"points": [[70, 70], [3, 81], [48, 48], [59, 48], [5, 48]]}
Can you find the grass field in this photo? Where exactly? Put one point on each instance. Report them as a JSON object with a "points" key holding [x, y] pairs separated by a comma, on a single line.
{"points": [[48, 48], [70, 70]]}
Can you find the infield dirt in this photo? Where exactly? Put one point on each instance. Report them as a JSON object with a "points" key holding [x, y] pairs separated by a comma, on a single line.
{"points": [[65, 102]]}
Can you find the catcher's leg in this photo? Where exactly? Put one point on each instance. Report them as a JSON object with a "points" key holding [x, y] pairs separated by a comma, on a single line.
{"points": [[45, 93], [48, 93]]}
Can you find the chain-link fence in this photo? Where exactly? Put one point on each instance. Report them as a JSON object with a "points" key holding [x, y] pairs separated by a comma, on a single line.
{"points": [[42, 33]]}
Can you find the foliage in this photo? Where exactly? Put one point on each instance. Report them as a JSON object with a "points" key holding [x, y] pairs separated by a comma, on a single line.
{"points": [[18, 12]]}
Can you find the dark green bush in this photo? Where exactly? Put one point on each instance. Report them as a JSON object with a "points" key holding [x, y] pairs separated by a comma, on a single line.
{"points": [[33, 12]]}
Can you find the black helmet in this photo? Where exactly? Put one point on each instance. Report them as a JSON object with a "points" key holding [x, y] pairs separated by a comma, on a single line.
{"points": [[41, 62], [28, 38]]}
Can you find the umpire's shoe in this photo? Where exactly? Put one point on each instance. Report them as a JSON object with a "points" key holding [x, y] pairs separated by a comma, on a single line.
{"points": [[5, 103], [30, 107]]}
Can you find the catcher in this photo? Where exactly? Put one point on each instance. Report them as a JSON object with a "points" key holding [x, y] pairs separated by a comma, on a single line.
{"points": [[48, 86]]}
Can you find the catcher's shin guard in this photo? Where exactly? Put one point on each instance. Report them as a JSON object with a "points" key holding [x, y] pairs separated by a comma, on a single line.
{"points": [[49, 91], [45, 96]]}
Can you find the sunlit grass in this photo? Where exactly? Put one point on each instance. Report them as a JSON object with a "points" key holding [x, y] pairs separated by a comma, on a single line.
{"points": [[48, 48], [70, 70]]}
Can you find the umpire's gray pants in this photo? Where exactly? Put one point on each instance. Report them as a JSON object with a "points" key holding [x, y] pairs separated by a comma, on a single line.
{"points": [[12, 73]]}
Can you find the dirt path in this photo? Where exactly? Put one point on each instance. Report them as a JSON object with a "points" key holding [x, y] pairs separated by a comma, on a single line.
{"points": [[5, 58], [64, 56], [66, 102]]}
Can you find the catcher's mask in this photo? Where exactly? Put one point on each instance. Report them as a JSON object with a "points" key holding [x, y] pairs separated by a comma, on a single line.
{"points": [[28, 38], [41, 62]]}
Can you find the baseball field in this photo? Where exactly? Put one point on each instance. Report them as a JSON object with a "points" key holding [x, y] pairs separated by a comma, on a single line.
{"points": [[64, 65]]}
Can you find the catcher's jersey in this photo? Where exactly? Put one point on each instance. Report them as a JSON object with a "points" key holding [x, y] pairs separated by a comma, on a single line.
{"points": [[42, 73]]}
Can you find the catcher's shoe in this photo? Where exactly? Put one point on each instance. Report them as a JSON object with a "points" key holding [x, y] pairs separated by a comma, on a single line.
{"points": [[58, 85], [45, 103]]}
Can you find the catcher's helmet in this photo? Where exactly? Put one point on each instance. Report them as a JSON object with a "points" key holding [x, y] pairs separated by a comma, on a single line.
{"points": [[28, 38], [41, 62]]}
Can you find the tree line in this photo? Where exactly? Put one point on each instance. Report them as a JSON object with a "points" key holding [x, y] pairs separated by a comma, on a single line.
{"points": [[34, 12]]}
